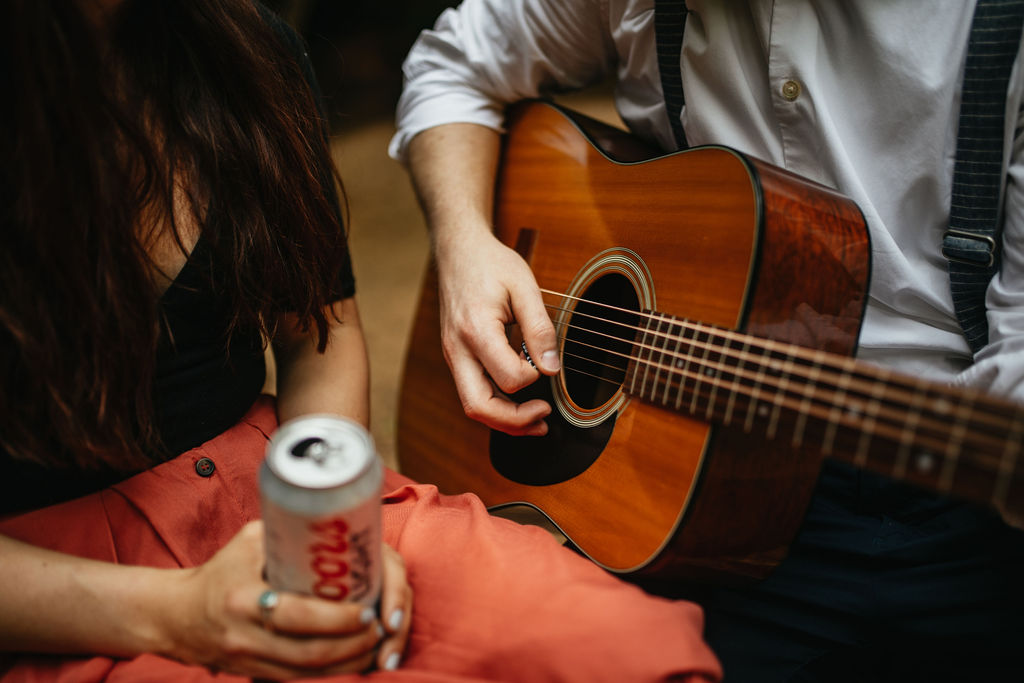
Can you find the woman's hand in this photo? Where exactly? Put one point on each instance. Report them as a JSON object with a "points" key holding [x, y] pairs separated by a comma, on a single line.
{"points": [[395, 609], [214, 619]]}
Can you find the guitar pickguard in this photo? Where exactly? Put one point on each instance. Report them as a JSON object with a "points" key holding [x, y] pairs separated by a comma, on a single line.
{"points": [[596, 321], [565, 452]]}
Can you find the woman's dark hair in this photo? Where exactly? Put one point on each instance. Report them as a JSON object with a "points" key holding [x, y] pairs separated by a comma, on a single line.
{"points": [[105, 114]]}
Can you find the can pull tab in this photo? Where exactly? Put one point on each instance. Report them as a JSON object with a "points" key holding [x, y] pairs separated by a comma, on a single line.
{"points": [[314, 448]]}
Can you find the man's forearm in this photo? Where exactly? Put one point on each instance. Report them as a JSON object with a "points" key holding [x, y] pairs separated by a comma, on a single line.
{"points": [[453, 168]]}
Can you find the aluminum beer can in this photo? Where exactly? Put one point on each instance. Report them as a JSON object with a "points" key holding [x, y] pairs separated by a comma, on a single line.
{"points": [[320, 487]]}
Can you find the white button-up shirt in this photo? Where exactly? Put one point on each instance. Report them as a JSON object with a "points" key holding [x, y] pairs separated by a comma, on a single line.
{"points": [[861, 96]]}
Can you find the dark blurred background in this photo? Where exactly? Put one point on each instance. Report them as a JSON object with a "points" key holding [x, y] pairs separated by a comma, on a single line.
{"points": [[357, 48]]}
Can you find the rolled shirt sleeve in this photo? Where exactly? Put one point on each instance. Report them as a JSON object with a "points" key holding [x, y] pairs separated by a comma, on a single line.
{"points": [[487, 53]]}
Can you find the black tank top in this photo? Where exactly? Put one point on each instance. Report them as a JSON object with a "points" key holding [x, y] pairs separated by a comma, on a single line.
{"points": [[200, 388], [202, 385]]}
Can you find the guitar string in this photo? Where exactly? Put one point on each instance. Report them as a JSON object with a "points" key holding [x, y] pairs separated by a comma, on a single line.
{"points": [[591, 361], [839, 363], [820, 405], [987, 452], [722, 352], [900, 390], [867, 410], [765, 345], [812, 374], [939, 423]]}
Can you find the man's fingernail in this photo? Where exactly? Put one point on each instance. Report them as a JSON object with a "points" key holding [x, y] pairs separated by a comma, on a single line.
{"points": [[550, 360], [395, 620]]}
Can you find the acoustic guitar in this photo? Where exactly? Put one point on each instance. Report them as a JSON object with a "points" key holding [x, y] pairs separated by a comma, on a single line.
{"points": [[707, 306]]}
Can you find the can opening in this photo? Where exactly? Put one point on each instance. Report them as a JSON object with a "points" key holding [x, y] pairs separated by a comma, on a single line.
{"points": [[314, 447]]}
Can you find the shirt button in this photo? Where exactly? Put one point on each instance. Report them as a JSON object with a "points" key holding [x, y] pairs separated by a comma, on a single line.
{"points": [[791, 90], [205, 467]]}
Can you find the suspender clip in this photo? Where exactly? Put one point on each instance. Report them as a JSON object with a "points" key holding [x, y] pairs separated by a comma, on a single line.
{"points": [[969, 248]]}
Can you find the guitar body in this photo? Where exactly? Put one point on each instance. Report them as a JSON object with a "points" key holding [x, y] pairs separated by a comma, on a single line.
{"points": [[705, 234]]}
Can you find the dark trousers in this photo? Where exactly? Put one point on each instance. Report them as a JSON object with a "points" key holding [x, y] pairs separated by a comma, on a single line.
{"points": [[883, 583]]}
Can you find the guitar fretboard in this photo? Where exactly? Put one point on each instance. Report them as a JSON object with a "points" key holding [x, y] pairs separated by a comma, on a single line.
{"points": [[957, 441]]}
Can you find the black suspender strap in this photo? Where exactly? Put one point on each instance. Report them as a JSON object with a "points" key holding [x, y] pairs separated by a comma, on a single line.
{"points": [[971, 243], [669, 22]]}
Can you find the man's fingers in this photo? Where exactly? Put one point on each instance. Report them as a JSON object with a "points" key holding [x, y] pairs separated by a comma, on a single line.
{"points": [[485, 365], [487, 346], [482, 403], [537, 330], [517, 419]]}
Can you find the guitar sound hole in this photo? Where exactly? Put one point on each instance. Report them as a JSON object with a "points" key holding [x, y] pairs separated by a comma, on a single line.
{"points": [[599, 339]]}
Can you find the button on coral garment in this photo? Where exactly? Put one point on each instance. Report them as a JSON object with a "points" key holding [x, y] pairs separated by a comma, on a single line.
{"points": [[494, 601]]}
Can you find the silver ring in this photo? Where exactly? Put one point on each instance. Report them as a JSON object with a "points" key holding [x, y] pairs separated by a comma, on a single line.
{"points": [[527, 354], [269, 600]]}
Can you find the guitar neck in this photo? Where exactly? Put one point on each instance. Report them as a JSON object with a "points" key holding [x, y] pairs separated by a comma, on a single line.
{"points": [[961, 442]]}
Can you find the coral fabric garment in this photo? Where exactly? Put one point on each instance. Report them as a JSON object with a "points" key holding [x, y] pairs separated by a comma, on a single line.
{"points": [[494, 600]]}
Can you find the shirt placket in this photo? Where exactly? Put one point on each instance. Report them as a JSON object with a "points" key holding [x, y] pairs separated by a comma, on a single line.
{"points": [[790, 47]]}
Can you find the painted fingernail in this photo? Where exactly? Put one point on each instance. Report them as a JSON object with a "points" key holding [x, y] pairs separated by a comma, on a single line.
{"points": [[392, 662], [395, 620], [367, 615], [380, 631], [550, 360]]}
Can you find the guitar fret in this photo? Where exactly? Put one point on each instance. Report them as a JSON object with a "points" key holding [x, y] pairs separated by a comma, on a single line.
{"points": [[909, 431], [700, 373], [805, 404], [640, 360], [870, 420], [1008, 462], [675, 361], [658, 364], [836, 413], [787, 369], [686, 368], [755, 392], [955, 444], [736, 382], [716, 380]]}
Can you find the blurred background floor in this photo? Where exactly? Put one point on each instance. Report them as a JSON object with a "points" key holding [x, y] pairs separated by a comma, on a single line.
{"points": [[390, 250], [357, 48]]}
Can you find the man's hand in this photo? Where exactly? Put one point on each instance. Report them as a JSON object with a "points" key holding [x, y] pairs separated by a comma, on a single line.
{"points": [[484, 287]]}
